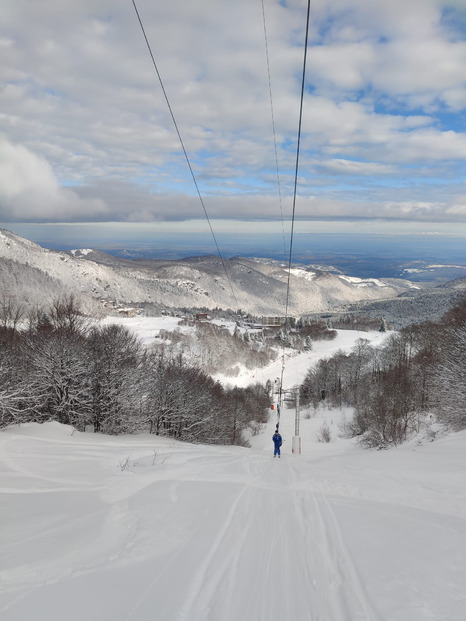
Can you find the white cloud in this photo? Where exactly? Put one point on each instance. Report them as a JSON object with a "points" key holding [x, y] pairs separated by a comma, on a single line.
{"points": [[458, 208], [402, 50], [30, 190], [82, 105], [350, 167]]}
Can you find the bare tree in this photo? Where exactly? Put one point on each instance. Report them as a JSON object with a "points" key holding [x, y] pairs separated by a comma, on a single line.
{"points": [[11, 312], [115, 371], [449, 382], [58, 376], [66, 314]]}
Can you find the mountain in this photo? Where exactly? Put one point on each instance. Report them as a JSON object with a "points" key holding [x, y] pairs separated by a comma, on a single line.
{"points": [[411, 307], [457, 283], [32, 273]]}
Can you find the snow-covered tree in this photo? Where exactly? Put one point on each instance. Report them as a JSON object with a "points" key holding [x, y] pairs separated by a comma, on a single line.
{"points": [[17, 403], [449, 382], [58, 376], [11, 312], [115, 378]]}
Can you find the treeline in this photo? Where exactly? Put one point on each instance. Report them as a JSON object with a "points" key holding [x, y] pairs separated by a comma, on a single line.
{"points": [[214, 349], [62, 367], [300, 334], [348, 321], [358, 322], [419, 371]]}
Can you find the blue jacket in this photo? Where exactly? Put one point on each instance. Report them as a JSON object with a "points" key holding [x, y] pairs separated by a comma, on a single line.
{"points": [[277, 439]]}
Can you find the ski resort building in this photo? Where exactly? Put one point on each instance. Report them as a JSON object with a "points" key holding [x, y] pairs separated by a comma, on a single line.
{"points": [[275, 322]]}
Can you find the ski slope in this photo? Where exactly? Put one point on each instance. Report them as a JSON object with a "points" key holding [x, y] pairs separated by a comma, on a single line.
{"points": [[142, 528], [296, 365]]}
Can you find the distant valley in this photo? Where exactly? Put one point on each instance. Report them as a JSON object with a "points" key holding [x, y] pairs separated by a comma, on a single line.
{"points": [[429, 272], [33, 275]]}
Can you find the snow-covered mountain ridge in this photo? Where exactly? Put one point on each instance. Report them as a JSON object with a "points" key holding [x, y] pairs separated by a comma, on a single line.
{"points": [[258, 287]]}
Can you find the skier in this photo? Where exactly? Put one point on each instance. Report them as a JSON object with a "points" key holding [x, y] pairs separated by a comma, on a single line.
{"points": [[277, 442]]}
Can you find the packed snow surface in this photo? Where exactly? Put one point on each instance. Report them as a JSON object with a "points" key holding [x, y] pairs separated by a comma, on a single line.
{"points": [[144, 528], [146, 329], [296, 365]]}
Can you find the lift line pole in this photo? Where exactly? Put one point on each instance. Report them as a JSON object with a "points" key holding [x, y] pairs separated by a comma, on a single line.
{"points": [[296, 440]]}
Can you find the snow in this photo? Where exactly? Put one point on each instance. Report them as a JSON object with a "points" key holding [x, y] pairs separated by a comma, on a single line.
{"points": [[297, 364], [300, 273], [363, 282], [143, 528], [228, 325], [82, 251], [146, 328]]}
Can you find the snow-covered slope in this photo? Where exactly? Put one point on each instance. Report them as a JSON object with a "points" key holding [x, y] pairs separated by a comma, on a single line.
{"points": [[296, 364], [140, 528], [81, 277], [143, 528], [258, 287]]}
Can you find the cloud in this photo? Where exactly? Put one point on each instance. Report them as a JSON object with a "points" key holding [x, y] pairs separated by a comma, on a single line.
{"points": [[403, 51], [88, 133], [351, 167], [458, 209], [30, 190]]}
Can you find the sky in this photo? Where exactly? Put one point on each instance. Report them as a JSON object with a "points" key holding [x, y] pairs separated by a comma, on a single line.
{"points": [[86, 134]]}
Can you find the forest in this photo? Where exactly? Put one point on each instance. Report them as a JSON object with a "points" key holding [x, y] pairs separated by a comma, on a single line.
{"points": [[60, 365], [418, 373], [63, 367], [212, 348]]}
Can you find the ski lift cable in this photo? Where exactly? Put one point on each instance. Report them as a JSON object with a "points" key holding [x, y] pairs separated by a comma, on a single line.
{"points": [[295, 187], [185, 152], [273, 128]]}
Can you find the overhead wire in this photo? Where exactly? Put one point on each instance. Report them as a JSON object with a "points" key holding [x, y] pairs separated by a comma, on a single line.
{"points": [[298, 144], [276, 158], [273, 128], [185, 152]]}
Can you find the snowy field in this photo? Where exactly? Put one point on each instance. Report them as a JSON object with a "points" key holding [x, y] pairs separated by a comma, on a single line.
{"points": [[142, 528], [146, 328]]}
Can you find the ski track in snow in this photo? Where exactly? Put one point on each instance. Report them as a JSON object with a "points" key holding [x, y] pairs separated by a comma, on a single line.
{"points": [[201, 533], [142, 528], [342, 574], [261, 548]]}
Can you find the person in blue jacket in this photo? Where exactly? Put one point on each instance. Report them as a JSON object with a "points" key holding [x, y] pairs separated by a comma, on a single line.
{"points": [[277, 442]]}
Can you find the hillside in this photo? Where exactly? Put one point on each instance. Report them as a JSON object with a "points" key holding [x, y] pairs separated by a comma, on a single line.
{"points": [[142, 527], [414, 306], [256, 286]]}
